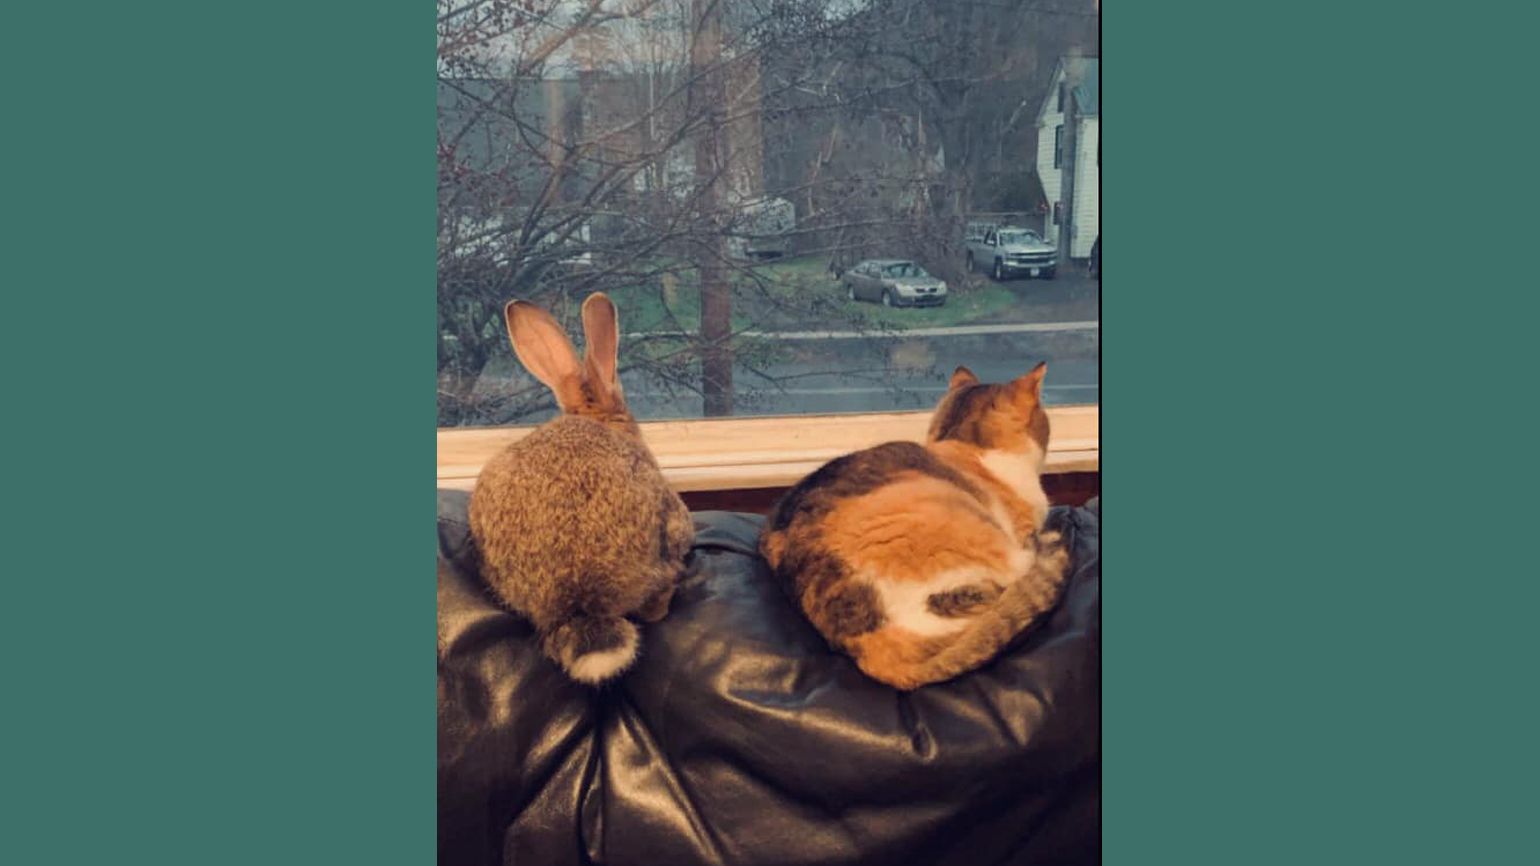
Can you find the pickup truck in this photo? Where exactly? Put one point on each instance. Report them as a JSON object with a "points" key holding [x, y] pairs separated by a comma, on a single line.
{"points": [[1006, 251], [760, 227]]}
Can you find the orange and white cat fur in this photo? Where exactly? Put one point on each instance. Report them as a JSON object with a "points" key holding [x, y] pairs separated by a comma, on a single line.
{"points": [[922, 562]]}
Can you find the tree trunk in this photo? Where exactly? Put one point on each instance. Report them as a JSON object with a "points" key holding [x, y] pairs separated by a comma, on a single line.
{"points": [[709, 97]]}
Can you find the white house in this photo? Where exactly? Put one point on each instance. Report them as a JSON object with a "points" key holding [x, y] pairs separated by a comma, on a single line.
{"points": [[1069, 141]]}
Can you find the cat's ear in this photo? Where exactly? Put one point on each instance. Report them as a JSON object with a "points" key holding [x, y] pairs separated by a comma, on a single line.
{"points": [[1028, 389], [962, 377]]}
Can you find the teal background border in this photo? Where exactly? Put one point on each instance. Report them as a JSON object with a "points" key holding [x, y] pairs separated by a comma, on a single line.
{"points": [[219, 275], [1313, 340], [219, 333]]}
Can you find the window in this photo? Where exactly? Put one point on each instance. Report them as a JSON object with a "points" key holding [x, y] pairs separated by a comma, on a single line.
{"points": [[1019, 236], [1058, 213], [1061, 97], [742, 156]]}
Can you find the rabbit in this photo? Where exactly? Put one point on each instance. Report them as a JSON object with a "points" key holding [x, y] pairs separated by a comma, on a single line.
{"points": [[576, 527]]}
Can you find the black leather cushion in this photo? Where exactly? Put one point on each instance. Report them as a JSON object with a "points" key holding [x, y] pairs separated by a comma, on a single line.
{"points": [[739, 737]]}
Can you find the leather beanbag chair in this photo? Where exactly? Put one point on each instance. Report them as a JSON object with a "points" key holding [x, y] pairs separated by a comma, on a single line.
{"points": [[740, 737]]}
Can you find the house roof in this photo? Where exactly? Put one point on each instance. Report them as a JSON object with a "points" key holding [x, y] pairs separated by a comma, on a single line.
{"points": [[1085, 73]]}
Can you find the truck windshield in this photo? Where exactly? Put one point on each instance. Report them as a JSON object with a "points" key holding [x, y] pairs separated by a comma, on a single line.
{"points": [[1019, 237]]}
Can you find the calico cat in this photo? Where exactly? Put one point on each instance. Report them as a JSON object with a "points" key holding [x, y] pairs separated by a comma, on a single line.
{"points": [[922, 562]]}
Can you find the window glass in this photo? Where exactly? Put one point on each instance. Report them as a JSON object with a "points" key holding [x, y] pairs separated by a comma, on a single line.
{"points": [[718, 167], [1019, 236]]}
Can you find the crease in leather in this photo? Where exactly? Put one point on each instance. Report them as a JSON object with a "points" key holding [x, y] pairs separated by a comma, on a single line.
{"points": [[920, 740], [591, 806], [1002, 725], [701, 831], [544, 829], [476, 631], [574, 739]]}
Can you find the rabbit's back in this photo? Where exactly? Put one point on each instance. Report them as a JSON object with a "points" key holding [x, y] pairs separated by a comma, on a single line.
{"points": [[572, 514]]}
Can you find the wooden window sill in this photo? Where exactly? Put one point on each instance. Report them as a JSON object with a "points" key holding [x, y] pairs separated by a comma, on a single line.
{"points": [[773, 452]]}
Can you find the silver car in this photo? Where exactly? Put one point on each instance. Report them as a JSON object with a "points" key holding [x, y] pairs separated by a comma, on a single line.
{"points": [[893, 283]]}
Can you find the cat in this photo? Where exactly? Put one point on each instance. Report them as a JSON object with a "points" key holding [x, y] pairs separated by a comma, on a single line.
{"points": [[922, 561]]}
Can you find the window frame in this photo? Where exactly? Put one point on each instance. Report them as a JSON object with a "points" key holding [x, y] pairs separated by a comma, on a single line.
{"points": [[770, 451]]}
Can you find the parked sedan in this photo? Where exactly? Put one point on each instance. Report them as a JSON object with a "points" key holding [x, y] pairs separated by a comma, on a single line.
{"points": [[893, 283]]}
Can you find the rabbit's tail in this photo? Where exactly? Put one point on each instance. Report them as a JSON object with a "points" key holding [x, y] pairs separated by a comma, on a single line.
{"points": [[593, 649]]}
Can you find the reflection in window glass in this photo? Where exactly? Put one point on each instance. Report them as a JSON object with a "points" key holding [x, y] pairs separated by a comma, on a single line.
{"points": [[721, 168]]}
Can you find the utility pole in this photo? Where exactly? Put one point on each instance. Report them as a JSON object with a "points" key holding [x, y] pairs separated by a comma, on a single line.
{"points": [[708, 98]]}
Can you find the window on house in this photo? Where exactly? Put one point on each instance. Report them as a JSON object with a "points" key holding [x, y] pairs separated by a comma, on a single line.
{"points": [[1058, 208], [733, 158], [1061, 98]]}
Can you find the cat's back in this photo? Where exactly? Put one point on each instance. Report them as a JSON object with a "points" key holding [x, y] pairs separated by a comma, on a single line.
{"points": [[848, 489]]}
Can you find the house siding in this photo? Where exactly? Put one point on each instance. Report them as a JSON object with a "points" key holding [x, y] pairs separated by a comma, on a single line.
{"points": [[1051, 178], [1087, 209]]}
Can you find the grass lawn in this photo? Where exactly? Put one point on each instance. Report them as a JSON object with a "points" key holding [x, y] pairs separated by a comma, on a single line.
{"points": [[964, 305], [673, 302]]}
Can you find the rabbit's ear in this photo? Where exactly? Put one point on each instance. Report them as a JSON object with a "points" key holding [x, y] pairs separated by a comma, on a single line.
{"points": [[544, 350], [601, 334]]}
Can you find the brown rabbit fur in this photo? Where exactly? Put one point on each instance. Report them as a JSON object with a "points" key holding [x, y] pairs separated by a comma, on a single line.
{"points": [[576, 527], [922, 562]]}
